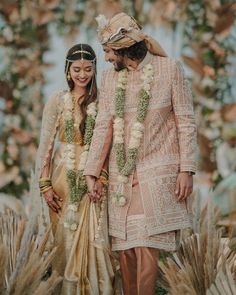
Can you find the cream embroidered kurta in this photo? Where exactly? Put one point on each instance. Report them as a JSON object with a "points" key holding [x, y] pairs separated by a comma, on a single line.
{"points": [[168, 146]]}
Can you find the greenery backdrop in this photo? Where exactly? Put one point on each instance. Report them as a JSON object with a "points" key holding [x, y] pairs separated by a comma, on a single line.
{"points": [[209, 41]]}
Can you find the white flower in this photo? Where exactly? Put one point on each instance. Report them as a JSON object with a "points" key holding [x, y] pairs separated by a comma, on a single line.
{"points": [[206, 36], [136, 133], [71, 154], [70, 163], [67, 97], [73, 226], [70, 166], [119, 123], [92, 109], [134, 143], [149, 67], [122, 179], [69, 147], [121, 201], [147, 87], [66, 225], [113, 200], [92, 105], [8, 34], [147, 76], [122, 76], [119, 132], [138, 126], [21, 83], [16, 93], [121, 85], [68, 117], [143, 77], [118, 139], [93, 114], [73, 207]]}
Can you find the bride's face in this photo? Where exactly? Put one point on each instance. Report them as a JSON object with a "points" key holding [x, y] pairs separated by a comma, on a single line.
{"points": [[81, 72]]}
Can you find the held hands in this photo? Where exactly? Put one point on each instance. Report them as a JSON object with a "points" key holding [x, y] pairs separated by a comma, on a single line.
{"points": [[95, 188], [184, 186], [53, 200]]}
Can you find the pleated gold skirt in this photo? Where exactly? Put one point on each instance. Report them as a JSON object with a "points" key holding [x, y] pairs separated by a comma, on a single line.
{"points": [[85, 262]]}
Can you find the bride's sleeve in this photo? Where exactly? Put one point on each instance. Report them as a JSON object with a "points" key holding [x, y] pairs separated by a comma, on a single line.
{"points": [[50, 122]]}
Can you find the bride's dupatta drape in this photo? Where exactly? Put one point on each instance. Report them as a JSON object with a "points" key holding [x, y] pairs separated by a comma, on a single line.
{"points": [[89, 263]]}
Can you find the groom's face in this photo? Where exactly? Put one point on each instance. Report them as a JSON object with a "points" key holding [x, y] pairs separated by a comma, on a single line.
{"points": [[112, 57]]}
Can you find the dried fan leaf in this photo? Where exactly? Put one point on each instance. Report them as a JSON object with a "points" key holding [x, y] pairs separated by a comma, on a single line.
{"points": [[200, 265]]}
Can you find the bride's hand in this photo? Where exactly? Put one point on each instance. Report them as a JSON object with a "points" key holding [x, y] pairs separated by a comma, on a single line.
{"points": [[99, 189], [53, 200]]}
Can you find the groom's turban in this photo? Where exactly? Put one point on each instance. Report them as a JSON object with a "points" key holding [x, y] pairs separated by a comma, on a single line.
{"points": [[122, 31]]}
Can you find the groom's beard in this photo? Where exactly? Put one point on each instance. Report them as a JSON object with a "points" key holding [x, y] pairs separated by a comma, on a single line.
{"points": [[119, 64]]}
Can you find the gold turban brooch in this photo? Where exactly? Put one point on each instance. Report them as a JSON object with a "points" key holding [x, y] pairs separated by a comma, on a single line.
{"points": [[122, 31]]}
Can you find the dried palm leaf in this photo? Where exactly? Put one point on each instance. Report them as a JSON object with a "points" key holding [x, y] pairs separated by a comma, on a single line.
{"points": [[49, 286], [3, 263], [224, 284], [197, 265], [28, 256]]}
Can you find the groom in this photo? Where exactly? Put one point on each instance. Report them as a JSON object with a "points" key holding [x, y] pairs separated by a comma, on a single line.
{"points": [[146, 123]]}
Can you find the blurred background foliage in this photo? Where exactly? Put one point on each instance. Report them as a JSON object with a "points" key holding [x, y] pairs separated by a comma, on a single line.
{"points": [[208, 48]]}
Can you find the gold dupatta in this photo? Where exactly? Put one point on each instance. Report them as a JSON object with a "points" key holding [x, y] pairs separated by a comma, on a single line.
{"points": [[89, 264]]}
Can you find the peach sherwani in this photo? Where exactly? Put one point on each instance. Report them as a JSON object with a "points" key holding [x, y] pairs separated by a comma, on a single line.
{"points": [[168, 147]]}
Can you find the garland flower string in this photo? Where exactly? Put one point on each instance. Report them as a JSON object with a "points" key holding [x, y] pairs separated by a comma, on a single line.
{"points": [[126, 166], [75, 179]]}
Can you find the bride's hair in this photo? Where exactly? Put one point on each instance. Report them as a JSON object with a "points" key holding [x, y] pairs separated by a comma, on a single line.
{"points": [[78, 52]]}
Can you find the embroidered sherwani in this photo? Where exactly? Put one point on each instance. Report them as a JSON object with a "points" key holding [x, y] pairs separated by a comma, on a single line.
{"points": [[152, 214]]}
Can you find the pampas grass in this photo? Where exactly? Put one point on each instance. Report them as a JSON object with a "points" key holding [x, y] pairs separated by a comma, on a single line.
{"points": [[24, 257], [204, 263], [26, 253], [3, 263]]}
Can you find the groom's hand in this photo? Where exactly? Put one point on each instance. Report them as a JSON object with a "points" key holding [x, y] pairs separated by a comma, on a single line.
{"points": [[184, 186], [92, 189]]}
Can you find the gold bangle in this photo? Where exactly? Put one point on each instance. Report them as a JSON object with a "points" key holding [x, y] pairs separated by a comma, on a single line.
{"points": [[46, 189], [41, 182], [45, 185], [104, 170], [104, 174], [44, 178]]}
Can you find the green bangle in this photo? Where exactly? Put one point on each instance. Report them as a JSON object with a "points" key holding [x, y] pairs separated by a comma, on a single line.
{"points": [[104, 174]]}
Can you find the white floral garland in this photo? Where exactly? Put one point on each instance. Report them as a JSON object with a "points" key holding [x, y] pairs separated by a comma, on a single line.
{"points": [[70, 155], [137, 129], [69, 151]]}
